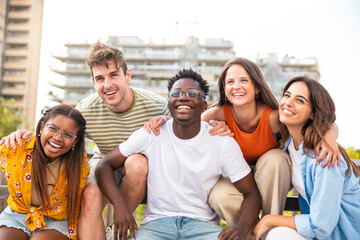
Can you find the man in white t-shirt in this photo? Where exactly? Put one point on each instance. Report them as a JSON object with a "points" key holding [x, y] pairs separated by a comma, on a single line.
{"points": [[185, 162]]}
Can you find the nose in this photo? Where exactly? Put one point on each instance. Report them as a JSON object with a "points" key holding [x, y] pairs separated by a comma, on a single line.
{"points": [[58, 135], [107, 83], [237, 84], [183, 95]]}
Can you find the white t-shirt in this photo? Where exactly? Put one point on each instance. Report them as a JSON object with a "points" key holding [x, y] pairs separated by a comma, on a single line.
{"points": [[297, 180], [182, 172]]}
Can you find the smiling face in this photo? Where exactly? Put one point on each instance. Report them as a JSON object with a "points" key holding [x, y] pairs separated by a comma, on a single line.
{"points": [[295, 106], [186, 109], [112, 86], [56, 136], [239, 88]]}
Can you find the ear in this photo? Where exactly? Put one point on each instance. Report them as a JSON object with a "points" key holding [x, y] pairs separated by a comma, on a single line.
{"points": [[204, 106], [257, 90], [128, 76]]}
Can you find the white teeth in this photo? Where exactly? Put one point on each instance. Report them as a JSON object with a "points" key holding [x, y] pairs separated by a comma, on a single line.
{"points": [[238, 94], [287, 111], [183, 107], [54, 145], [109, 93]]}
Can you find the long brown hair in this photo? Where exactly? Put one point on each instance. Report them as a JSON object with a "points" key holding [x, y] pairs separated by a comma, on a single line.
{"points": [[265, 95], [73, 160], [313, 131]]}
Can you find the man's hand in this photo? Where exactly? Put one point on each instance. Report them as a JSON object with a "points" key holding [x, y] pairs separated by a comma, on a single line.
{"points": [[220, 128], [123, 221], [154, 123], [15, 137], [231, 233]]}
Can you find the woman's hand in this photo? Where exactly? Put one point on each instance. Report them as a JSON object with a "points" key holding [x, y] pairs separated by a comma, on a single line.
{"points": [[154, 123], [260, 228], [220, 128], [331, 150]]}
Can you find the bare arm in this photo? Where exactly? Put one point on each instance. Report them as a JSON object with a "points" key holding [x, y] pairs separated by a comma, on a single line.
{"points": [[123, 218], [249, 212], [15, 138], [331, 148], [270, 221]]}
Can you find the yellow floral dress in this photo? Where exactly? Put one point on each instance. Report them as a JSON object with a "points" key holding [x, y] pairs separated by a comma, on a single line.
{"points": [[16, 165]]}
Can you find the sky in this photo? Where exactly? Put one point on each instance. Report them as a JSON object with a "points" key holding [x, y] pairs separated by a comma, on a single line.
{"points": [[328, 30]]}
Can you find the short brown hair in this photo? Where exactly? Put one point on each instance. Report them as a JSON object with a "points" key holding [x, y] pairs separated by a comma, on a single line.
{"points": [[100, 55]]}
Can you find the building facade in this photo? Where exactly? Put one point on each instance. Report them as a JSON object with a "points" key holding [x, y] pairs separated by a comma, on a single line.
{"points": [[151, 65], [20, 39], [278, 73]]}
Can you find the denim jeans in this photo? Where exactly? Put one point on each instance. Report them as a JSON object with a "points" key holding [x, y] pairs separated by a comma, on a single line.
{"points": [[178, 228]]}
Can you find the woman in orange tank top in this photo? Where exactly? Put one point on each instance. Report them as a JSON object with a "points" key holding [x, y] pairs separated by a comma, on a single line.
{"points": [[250, 110]]}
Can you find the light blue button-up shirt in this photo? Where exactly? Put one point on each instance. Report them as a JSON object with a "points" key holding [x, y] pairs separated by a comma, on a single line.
{"points": [[334, 201]]}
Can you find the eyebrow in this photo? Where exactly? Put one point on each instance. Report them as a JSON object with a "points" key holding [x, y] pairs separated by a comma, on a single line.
{"points": [[300, 96]]}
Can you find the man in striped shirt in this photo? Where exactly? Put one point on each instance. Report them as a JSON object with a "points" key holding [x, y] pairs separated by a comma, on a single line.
{"points": [[112, 114]]}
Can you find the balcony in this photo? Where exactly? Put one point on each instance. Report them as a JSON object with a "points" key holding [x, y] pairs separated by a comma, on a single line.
{"points": [[13, 92]]}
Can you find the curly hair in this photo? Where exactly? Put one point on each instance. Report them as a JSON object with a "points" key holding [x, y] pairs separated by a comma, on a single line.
{"points": [[189, 73], [101, 54]]}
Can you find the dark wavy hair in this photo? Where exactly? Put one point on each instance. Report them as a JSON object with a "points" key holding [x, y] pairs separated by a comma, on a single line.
{"points": [[313, 131], [72, 160], [189, 73], [265, 95]]}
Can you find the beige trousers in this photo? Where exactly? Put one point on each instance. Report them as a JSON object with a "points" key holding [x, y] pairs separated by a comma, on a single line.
{"points": [[272, 174]]}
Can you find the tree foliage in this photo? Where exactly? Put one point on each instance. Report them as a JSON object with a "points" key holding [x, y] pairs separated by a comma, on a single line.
{"points": [[353, 153], [10, 118]]}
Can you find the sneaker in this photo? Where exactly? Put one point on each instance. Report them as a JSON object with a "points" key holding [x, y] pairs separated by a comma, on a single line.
{"points": [[109, 233]]}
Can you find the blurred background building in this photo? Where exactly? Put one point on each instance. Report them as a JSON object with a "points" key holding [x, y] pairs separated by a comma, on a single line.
{"points": [[278, 73], [20, 41]]}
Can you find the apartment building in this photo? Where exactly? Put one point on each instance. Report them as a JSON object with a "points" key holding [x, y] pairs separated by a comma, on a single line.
{"points": [[278, 72], [20, 38], [151, 64]]}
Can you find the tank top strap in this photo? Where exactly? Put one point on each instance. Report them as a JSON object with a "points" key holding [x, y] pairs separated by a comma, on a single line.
{"points": [[266, 115]]}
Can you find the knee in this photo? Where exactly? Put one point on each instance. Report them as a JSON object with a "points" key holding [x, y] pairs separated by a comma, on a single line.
{"points": [[136, 165], [92, 199], [273, 160]]}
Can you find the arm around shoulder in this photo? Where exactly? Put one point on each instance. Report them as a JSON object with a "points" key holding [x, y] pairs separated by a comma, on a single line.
{"points": [[214, 113]]}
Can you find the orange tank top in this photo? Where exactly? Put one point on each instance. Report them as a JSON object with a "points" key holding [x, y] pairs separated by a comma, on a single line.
{"points": [[255, 144]]}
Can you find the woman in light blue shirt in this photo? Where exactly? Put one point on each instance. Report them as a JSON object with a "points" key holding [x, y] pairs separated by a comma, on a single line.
{"points": [[329, 198]]}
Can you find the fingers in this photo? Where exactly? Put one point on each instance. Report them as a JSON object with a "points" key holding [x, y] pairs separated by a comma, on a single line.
{"points": [[18, 135], [147, 127], [27, 135], [116, 232], [132, 231], [338, 159], [222, 233], [327, 160]]}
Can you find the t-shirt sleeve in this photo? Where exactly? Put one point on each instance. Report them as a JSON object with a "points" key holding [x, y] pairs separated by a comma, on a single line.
{"points": [[233, 163], [138, 142]]}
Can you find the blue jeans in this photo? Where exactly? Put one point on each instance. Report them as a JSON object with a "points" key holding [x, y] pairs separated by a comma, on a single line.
{"points": [[178, 228]]}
